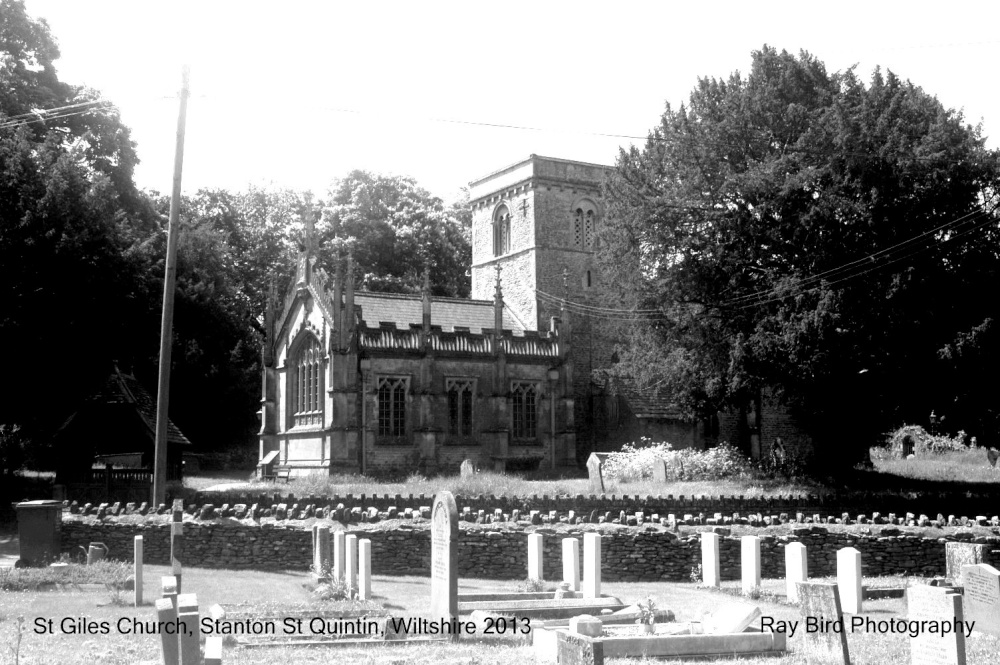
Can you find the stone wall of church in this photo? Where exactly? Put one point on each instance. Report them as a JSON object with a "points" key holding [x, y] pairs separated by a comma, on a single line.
{"points": [[777, 422]]}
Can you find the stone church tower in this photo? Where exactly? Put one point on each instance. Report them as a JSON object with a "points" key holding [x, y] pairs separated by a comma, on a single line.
{"points": [[537, 219]]}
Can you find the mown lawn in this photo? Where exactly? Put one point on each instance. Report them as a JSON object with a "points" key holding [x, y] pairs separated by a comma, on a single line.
{"points": [[398, 596]]}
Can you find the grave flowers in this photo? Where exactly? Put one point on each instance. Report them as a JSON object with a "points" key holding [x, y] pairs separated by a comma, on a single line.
{"points": [[647, 615]]}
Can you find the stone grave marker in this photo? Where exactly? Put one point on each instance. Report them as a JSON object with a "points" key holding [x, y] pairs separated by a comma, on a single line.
{"points": [[750, 563], [591, 565], [819, 602], [796, 569], [444, 556], [710, 559], [187, 614], [594, 471], [957, 555], [938, 604], [339, 555], [733, 618], [321, 553], [137, 572], [981, 599], [177, 541], [351, 571], [535, 543], [466, 470], [571, 563], [849, 579], [659, 470], [364, 569]]}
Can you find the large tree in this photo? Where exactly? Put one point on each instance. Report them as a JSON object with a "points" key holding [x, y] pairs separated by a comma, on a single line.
{"points": [[798, 231], [394, 230]]}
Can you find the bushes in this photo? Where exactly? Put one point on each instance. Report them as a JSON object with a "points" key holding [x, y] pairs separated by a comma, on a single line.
{"points": [[635, 462], [915, 440]]}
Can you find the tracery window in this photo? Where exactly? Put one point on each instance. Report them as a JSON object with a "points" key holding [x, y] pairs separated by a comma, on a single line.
{"points": [[392, 405], [501, 231], [524, 396], [461, 393], [584, 224], [307, 384]]}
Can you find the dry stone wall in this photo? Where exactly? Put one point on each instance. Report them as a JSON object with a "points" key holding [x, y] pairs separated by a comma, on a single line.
{"points": [[499, 551]]}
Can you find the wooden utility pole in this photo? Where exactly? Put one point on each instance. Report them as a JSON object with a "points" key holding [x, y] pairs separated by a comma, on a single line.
{"points": [[167, 322]]}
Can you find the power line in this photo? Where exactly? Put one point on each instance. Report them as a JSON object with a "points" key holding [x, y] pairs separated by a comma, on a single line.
{"points": [[48, 115]]}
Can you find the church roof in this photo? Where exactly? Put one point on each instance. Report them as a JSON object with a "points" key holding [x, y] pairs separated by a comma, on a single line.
{"points": [[404, 309]]}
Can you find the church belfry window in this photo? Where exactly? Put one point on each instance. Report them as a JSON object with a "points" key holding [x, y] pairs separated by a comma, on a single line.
{"points": [[501, 231], [584, 224], [307, 384], [524, 396], [392, 405], [461, 393]]}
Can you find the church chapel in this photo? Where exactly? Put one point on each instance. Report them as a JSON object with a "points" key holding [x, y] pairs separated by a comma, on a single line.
{"points": [[358, 381]]}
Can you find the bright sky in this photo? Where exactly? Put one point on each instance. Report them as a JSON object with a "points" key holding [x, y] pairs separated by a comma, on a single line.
{"points": [[299, 93]]}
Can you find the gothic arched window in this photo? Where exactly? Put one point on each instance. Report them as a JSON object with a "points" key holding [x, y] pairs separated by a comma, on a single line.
{"points": [[392, 405], [501, 231], [525, 402], [584, 224], [306, 382], [461, 393]]}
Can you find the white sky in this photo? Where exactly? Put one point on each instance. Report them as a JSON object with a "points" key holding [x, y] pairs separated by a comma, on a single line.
{"points": [[299, 93]]}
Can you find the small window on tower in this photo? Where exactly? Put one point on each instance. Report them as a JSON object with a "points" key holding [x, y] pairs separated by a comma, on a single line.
{"points": [[501, 231], [584, 224]]}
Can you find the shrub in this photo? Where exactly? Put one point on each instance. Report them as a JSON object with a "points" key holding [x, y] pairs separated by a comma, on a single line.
{"points": [[635, 462], [916, 440]]}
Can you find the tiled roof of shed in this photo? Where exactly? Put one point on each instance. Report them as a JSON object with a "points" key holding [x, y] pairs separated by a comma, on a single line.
{"points": [[404, 309]]}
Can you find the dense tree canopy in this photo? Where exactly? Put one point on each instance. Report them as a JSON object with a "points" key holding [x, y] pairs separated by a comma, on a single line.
{"points": [[802, 232]]}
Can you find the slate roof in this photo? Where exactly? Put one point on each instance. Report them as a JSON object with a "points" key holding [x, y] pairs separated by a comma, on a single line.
{"points": [[122, 388], [642, 402], [404, 309]]}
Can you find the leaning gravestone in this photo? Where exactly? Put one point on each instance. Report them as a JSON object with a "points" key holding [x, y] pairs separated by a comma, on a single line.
{"points": [[959, 555], [981, 598], [444, 556], [820, 602], [466, 470], [594, 471], [659, 470], [940, 605]]}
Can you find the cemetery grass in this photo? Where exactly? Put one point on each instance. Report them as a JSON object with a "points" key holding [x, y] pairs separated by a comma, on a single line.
{"points": [[955, 466], [259, 592]]}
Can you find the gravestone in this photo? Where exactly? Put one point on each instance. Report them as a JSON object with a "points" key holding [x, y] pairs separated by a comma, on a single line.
{"points": [[733, 618], [796, 569], [535, 556], [571, 563], [444, 557], [659, 470], [187, 636], [981, 598], [992, 454], [820, 602], [351, 563], [137, 571], [339, 555], [938, 604], [321, 552], [957, 555], [750, 563], [591, 565], [177, 541], [595, 474], [466, 470], [849, 579], [710, 559], [364, 569]]}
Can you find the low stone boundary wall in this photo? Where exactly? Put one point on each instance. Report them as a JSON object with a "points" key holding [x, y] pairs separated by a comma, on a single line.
{"points": [[500, 552], [834, 503]]}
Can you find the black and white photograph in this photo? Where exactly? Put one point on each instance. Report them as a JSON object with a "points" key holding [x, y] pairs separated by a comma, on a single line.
{"points": [[481, 333]]}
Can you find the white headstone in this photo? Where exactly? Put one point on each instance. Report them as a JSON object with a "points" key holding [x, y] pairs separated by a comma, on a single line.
{"points": [[364, 569], [571, 563], [351, 571], [137, 571], [938, 605], [849, 579], [444, 556], [796, 569], [535, 556], [591, 565], [732, 618], [981, 600], [709, 558], [339, 555], [321, 551], [750, 563]]}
